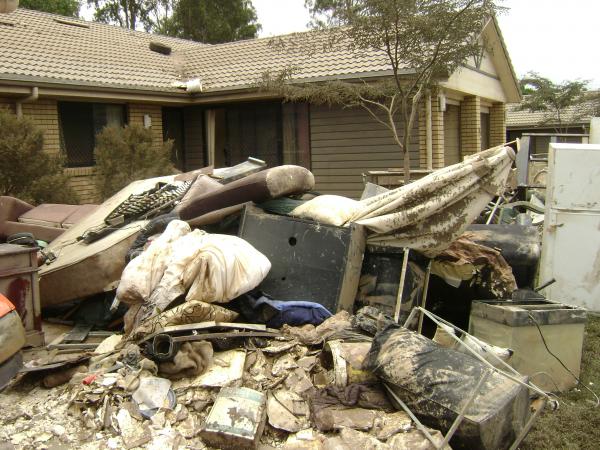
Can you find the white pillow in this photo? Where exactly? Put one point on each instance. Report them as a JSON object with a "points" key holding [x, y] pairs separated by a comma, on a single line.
{"points": [[328, 209]]}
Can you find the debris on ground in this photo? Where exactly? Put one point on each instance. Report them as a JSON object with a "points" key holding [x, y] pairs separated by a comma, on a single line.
{"points": [[263, 330]]}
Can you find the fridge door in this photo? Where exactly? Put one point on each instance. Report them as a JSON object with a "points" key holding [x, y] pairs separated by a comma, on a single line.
{"points": [[571, 240], [571, 255]]}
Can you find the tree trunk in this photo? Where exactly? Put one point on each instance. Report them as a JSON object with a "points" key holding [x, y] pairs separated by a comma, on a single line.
{"points": [[406, 165]]}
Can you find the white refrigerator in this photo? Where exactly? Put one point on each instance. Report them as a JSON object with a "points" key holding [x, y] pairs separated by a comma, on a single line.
{"points": [[571, 239]]}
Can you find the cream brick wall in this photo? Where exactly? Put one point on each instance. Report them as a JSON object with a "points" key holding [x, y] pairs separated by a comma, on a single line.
{"points": [[83, 183], [470, 125], [497, 124], [437, 128], [44, 114], [136, 113]]}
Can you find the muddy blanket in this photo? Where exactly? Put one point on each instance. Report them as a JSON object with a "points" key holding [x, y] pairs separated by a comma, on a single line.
{"points": [[436, 382]]}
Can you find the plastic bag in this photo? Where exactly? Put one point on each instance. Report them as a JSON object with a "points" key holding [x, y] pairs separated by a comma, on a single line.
{"points": [[143, 273], [226, 268]]}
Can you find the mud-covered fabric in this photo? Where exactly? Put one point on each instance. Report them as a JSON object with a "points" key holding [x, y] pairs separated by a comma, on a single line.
{"points": [[188, 312], [436, 382], [191, 360]]}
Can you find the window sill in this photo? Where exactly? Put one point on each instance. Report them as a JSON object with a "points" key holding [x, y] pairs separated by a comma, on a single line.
{"points": [[80, 171]]}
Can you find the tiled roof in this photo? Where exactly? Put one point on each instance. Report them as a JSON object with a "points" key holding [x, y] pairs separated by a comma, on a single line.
{"points": [[239, 64], [575, 115], [41, 46]]}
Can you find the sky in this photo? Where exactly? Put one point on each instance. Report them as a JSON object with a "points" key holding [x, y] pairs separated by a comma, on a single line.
{"points": [[559, 39]]}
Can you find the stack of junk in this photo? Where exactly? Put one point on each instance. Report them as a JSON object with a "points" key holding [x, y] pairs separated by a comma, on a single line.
{"points": [[237, 308]]}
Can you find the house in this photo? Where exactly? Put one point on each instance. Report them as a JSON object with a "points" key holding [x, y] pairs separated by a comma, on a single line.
{"points": [[574, 126], [74, 77]]}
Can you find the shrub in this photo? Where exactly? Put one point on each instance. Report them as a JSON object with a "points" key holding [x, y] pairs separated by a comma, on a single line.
{"points": [[127, 154], [26, 171]]}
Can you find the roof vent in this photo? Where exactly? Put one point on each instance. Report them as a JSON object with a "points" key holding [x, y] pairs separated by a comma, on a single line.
{"points": [[72, 23], [160, 48]]}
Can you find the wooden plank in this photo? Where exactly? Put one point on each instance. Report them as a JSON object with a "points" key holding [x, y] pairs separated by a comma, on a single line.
{"points": [[78, 333]]}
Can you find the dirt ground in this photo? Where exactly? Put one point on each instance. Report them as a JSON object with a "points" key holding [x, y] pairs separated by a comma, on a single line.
{"points": [[576, 425]]}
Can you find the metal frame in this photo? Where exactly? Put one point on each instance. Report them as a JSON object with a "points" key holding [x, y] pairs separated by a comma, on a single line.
{"points": [[512, 376]]}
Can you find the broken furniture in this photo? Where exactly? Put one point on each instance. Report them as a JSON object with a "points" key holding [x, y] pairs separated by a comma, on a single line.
{"points": [[81, 337], [381, 275], [527, 327], [46, 222], [90, 268], [19, 283], [519, 245], [309, 261]]}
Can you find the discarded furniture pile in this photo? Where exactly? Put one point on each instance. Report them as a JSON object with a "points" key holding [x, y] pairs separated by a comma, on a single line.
{"points": [[236, 308]]}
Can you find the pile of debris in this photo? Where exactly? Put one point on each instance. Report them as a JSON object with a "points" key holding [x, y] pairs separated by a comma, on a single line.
{"points": [[280, 329]]}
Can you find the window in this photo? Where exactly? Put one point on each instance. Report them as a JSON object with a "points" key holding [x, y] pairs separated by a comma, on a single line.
{"points": [[485, 131], [79, 125], [243, 130]]}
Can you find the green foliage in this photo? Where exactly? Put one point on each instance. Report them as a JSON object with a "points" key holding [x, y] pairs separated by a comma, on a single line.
{"points": [[62, 7], [26, 171], [556, 99], [212, 21], [425, 41], [127, 154], [125, 13]]}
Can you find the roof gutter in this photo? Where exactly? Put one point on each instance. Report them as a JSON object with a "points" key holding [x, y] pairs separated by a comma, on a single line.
{"points": [[35, 93]]}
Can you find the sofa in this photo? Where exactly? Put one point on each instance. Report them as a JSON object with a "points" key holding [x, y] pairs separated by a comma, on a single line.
{"points": [[46, 222]]}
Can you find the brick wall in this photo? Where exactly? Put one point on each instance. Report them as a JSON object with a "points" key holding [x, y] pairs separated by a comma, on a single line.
{"points": [[470, 125], [82, 181], [136, 113], [497, 124], [437, 128], [44, 114]]}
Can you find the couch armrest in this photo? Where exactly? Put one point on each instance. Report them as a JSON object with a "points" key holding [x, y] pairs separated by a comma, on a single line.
{"points": [[10, 210]]}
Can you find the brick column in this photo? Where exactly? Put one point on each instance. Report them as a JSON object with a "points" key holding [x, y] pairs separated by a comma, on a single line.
{"points": [[470, 126], [497, 124], [437, 132]]}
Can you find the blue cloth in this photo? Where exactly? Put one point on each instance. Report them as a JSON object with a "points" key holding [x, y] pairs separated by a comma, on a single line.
{"points": [[292, 312]]}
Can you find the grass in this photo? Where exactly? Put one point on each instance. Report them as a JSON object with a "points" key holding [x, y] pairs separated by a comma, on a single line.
{"points": [[576, 424]]}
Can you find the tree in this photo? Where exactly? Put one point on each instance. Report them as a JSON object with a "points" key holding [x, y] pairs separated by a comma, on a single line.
{"points": [[62, 7], [128, 13], [126, 154], [562, 103], [212, 21], [424, 41], [27, 172]]}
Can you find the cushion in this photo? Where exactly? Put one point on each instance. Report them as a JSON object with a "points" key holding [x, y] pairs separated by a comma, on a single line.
{"points": [[49, 215]]}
